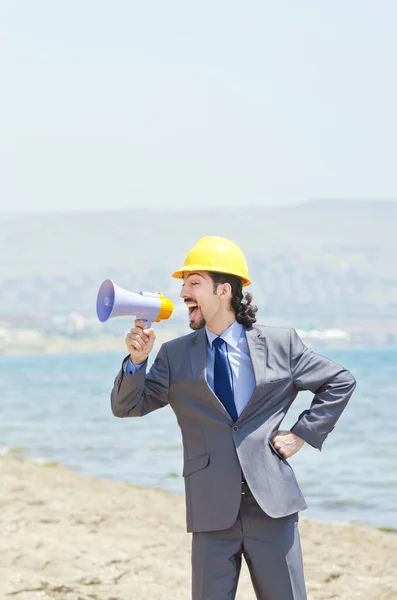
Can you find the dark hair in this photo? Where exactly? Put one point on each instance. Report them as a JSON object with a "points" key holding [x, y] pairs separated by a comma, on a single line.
{"points": [[245, 311]]}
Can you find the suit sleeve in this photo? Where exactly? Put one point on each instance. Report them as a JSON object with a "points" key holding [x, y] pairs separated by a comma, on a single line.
{"points": [[331, 384], [139, 394]]}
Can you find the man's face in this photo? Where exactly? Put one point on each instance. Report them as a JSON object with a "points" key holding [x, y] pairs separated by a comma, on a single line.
{"points": [[198, 295]]}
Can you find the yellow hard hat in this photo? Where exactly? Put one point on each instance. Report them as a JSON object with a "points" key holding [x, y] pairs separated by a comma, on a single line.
{"points": [[212, 253]]}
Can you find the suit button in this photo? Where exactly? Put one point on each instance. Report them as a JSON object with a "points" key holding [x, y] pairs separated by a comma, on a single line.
{"points": [[236, 428]]}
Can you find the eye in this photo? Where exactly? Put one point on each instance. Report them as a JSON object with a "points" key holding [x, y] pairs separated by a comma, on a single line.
{"points": [[195, 283]]}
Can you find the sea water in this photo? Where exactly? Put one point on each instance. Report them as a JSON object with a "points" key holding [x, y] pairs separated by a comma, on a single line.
{"points": [[57, 408]]}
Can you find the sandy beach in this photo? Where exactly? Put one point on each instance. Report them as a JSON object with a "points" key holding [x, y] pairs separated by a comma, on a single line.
{"points": [[68, 536]]}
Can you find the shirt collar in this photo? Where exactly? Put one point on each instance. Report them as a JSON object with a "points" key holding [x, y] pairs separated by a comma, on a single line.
{"points": [[231, 335]]}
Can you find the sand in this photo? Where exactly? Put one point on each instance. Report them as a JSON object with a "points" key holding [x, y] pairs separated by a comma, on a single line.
{"points": [[67, 536]]}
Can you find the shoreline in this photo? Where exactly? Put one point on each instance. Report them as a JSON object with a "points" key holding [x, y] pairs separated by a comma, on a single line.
{"points": [[70, 535], [105, 344]]}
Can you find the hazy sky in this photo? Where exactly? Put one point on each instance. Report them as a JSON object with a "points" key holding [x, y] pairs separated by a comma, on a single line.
{"points": [[124, 103]]}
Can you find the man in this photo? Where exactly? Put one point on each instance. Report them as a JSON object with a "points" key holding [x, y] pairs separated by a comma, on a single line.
{"points": [[230, 384]]}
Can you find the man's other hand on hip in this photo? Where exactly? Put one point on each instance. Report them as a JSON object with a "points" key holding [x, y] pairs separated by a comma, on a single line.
{"points": [[287, 443]]}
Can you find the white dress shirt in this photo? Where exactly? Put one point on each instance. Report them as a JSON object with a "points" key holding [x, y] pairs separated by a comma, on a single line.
{"points": [[236, 348]]}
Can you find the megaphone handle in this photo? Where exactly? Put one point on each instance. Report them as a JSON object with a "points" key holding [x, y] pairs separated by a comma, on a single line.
{"points": [[148, 324]]}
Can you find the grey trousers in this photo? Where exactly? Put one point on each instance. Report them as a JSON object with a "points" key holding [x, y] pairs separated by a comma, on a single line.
{"points": [[271, 548]]}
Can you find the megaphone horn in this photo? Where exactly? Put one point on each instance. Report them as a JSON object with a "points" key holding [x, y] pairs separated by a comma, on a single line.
{"points": [[115, 301]]}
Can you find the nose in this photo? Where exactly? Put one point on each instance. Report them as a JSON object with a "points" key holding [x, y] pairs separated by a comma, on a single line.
{"points": [[183, 293]]}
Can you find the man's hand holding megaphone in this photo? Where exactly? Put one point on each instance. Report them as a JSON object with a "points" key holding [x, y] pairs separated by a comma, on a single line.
{"points": [[115, 301], [139, 342]]}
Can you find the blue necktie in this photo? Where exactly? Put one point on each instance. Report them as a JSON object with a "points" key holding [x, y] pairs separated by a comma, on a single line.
{"points": [[222, 379]]}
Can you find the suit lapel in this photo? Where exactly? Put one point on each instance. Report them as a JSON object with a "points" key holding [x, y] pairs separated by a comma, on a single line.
{"points": [[258, 352], [197, 353]]}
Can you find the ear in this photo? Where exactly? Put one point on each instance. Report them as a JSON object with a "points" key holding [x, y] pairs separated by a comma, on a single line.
{"points": [[225, 290]]}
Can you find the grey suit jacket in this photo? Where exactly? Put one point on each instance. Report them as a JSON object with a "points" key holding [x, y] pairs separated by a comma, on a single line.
{"points": [[217, 450]]}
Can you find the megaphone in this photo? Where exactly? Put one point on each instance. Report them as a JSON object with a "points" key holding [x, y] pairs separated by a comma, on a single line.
{"points": [[115, 301]]}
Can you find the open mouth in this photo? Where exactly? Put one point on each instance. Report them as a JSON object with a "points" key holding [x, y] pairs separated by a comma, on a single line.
{"points": [[193, 309]]}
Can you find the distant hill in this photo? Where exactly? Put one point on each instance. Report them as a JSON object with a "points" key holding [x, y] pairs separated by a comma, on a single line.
{"points": [[327, 260]]}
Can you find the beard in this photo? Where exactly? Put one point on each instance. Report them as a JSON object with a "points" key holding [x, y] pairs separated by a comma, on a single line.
{"points": [[196, 325]]}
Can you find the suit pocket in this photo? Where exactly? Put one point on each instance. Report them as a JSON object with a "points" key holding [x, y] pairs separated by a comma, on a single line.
{"points": [[276, 451], [270, 381], [195, 464]]}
